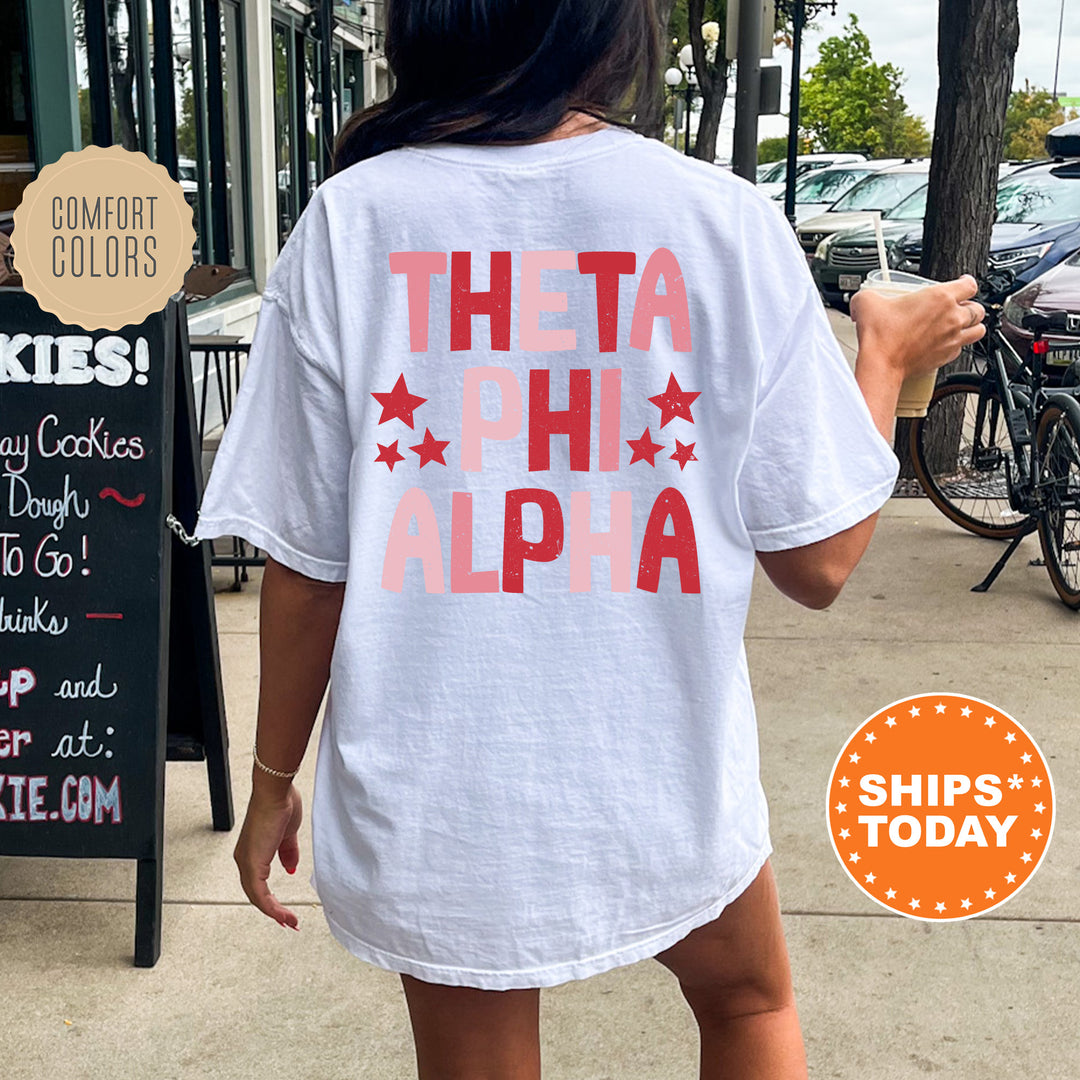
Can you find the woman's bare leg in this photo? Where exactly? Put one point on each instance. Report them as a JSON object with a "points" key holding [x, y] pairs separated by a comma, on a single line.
{"points": [[462, 1033], [735, 975]]}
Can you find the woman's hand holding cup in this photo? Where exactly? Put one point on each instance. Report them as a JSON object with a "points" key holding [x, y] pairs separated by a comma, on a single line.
{"points": [[914, 329]]}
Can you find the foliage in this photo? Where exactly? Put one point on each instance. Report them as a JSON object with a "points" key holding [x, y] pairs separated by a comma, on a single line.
{"points": [[1032, 112], [719, 69], [852, 105], [772, 149]]}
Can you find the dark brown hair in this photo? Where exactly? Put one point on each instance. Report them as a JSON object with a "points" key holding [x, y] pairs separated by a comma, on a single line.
{"points": [[505, 71]]}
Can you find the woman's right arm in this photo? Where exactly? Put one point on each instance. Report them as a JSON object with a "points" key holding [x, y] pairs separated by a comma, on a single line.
{"points": [[897, 338], [298, 621]]}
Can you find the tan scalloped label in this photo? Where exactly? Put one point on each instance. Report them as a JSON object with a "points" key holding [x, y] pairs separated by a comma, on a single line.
{"points": [[103, 237]]}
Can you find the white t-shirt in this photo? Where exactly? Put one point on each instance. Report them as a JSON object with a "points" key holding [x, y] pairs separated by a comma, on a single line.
{"points": [[539, 756]]}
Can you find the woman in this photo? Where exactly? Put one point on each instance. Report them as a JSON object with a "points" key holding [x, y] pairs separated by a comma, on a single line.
{"points": [[512, 488]]}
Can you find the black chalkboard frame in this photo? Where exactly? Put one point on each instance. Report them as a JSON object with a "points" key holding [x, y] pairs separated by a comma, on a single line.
{"points": [[188, 713]]}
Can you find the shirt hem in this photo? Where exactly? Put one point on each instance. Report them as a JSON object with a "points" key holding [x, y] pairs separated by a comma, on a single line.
{"points": [[548, 975], [277, 548], [835, 521]]}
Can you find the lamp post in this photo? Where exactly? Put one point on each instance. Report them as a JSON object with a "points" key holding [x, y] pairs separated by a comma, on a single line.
{"points": [[1057, 62], [798, 11], [673, 76]]}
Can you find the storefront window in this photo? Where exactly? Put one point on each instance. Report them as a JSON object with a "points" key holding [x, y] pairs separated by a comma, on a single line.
{"points": [[283, 129], [123, 48], [82, 73], [187, 147], [16, 160], [232, 85]]}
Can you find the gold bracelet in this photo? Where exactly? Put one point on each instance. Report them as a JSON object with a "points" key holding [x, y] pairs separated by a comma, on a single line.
{"points": [[272, 772]]}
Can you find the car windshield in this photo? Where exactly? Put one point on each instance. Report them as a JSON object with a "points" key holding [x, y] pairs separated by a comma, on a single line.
{"points": [[882, 191], [913, 208], [775, 175], [828, 185], [1038, 199]]}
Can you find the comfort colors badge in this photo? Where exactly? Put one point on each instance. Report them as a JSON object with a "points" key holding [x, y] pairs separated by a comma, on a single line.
{"points": [[103, 237]]}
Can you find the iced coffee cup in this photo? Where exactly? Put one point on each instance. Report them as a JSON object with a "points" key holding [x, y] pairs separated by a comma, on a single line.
{"points": [[915, 393]]}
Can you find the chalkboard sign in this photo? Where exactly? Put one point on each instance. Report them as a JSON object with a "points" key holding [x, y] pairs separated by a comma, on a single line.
{"points": [[90, 607]]}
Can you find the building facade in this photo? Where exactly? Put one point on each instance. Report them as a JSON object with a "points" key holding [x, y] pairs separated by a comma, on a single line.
{"points": [[239, 99]]}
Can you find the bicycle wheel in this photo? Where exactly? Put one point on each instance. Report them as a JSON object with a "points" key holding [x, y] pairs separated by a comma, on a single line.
{"points": [[1059, 521], [960, 451]]}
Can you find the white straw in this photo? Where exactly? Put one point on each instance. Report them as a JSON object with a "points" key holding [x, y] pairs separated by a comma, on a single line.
{"points": [[883, 256]]}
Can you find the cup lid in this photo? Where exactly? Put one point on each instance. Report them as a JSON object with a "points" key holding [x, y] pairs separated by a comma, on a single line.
{"points": [[898, 278]]}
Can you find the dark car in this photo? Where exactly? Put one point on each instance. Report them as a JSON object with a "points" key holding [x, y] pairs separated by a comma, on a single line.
{"points": [[1038, 225], [844, 258], [1038, 221], [1056, 290]]}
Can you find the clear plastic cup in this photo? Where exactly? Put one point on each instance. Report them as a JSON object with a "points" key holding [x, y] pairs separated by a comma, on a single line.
{"points": [[915, 393]]}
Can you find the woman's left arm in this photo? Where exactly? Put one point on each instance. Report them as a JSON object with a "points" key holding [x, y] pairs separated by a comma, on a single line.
{"points": [[298, 621]]}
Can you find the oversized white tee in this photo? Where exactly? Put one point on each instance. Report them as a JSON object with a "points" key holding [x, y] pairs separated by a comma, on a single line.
{"points": [[537, 406]]}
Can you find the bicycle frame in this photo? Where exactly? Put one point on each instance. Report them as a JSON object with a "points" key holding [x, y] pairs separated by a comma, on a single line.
{"points": [[1021, 408], [1022, 399]]}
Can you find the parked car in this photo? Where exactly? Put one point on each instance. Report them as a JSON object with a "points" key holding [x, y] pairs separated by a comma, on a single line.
{"points": [[1038, 221], [816, 191], [1064, 140], [1038, 225], [1007, 168], [880, 191], [775, 179], [844, 258], [1056, 290]]}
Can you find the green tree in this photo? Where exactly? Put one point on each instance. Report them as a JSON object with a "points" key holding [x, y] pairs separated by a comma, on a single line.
{"points": [[1031, 113], [852, 105], [772, 149]]}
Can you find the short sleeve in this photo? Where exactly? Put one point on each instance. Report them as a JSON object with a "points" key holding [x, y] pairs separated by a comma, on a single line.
{"points": [[280, 477], [816, 463]]}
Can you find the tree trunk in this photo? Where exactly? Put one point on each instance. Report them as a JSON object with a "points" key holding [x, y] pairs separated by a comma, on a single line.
{"points": [[712, 105], [650, 100], [712, 82], [977, 41]]}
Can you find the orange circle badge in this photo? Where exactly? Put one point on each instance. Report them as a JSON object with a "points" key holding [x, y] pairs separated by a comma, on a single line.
{"points": [[940, 807], [103, 237]]}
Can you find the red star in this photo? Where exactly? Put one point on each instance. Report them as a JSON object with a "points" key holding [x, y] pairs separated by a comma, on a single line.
{"points": [[644, 449], [683, 454], [430, 449], [675, 402], [399, 404], [389, 454]]}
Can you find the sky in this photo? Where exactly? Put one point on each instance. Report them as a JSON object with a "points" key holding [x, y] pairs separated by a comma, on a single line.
{"points": [[904, 33]]}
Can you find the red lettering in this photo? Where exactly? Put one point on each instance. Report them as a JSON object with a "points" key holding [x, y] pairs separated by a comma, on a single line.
{"points": [[658, 545], [575, 421], [516, 549], [464, 303], [607, 266]]}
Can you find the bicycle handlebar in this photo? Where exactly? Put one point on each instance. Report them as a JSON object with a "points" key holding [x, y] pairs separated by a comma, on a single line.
{"points": [[995, 287]]}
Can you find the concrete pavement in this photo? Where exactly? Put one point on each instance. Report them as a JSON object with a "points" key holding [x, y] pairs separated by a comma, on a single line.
{"points": [[881, 997]]}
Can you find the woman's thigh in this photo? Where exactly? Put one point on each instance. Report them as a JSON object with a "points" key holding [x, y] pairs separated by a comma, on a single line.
{"points": [[739, 961]]}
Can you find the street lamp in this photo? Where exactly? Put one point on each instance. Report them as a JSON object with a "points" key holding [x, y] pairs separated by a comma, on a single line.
{"points": [[798, 11], [674, 75]]}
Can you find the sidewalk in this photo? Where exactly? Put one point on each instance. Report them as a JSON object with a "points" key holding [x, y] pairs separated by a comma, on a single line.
{"points": [[881, 997]]}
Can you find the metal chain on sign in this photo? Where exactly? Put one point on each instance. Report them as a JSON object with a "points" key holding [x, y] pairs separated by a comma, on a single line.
{"points": [[182, 534]]}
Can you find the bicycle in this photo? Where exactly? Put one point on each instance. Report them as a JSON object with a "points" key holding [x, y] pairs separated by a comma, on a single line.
{"points": [[998, 452]]}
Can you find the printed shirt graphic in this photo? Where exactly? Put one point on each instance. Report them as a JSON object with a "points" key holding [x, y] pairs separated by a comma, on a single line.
{"points": [[537, 406]]}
